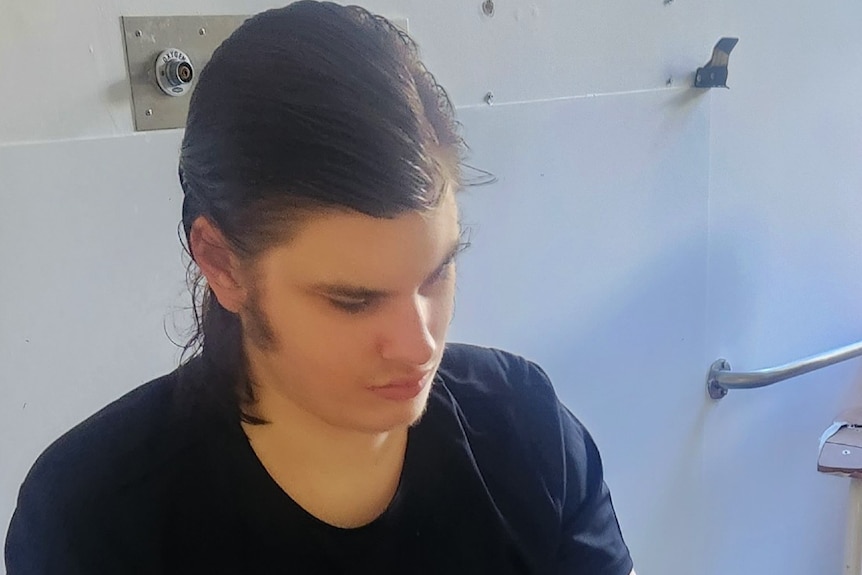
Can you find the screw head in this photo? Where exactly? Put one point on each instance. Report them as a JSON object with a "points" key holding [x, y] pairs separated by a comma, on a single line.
{"points": [[845, 452], [489, 98], [138, 33], [202, 31], [149, 112], [715, 391], [488, 7]]}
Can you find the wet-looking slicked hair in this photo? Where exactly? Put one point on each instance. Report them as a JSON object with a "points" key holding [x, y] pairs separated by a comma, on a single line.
{"points": [[305, 109]]}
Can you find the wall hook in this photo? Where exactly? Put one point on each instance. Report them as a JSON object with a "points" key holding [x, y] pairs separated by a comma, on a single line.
{"points": [[714, 73]]}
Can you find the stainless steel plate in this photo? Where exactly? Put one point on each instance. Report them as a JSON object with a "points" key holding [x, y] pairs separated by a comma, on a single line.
{"points": [[148, 36]]}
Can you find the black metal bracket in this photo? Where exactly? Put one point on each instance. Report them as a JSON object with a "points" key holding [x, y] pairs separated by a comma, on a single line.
{"points": [[714, 73]]}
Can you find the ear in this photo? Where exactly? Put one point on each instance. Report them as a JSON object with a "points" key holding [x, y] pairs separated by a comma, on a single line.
{"points": [[218, 263]]}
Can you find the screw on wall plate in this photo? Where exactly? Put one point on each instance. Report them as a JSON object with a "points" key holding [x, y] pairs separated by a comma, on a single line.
{"points": [[138, 33], [845, 452], [202, 31], [149, 112], [488, 7], [489, 98]]}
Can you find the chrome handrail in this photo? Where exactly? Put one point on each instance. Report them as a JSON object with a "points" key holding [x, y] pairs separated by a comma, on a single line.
{"points": [[721, 379]]}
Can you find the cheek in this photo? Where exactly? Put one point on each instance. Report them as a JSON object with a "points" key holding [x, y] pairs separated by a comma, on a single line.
{"points": [[319, 354], [313, 329], [442, 309]]}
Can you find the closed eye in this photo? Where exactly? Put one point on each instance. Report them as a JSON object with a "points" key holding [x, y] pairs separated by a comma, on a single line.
{"points": [[442, 272], [445, 268], [352, 306], [355, 300]]}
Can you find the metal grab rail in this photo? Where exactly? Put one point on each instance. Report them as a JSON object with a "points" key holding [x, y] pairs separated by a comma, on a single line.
{"points": [[721, 379]]}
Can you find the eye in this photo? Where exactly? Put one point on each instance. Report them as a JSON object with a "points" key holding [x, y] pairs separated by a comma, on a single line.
{"points": [[443, 272], [350, 306]]}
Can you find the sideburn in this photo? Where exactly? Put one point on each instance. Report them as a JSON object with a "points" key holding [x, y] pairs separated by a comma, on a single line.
{"points": [[255, 324]]}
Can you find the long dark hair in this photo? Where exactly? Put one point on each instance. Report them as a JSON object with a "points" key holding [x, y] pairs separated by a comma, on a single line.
{"points": [[310, 107]]}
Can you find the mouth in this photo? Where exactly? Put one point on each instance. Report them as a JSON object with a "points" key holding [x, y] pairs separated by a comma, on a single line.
{"points": [[403, 389]]}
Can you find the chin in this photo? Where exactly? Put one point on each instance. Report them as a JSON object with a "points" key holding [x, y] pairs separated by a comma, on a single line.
{"points": [[399, 417]]}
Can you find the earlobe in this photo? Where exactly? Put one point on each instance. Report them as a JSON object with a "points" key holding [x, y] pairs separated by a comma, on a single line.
{"points": [[217, 263]]}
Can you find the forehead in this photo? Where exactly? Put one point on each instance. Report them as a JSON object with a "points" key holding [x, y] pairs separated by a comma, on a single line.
{"points": [[360, 249]]}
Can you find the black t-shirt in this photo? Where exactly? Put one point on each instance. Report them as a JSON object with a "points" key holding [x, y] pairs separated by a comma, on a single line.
{"points": [[499, 478]]}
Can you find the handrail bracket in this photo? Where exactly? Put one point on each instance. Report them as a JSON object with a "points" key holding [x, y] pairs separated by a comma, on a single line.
{"points": [[713, 387]]}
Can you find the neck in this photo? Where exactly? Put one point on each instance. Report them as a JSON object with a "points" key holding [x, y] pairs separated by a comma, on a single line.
{"points": [[305, 438], [342, 475]]}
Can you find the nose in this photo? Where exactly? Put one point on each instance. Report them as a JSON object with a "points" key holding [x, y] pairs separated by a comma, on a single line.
{"points": [[408, 336]]}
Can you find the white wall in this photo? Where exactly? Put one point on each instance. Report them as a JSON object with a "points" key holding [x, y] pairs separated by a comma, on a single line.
{"points": [[527, 51], [91, 277], [638, 231], [589, 256], [785, 278]]}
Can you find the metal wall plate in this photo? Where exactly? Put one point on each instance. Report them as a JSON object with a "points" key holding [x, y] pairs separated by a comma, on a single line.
{"points": [[145, 38]]}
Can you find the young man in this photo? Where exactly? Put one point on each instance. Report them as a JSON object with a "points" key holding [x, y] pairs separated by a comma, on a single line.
{"points": [[322, 423]]}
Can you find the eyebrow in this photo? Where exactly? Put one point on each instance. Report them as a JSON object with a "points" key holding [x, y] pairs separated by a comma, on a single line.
{"points": [[349, 291]]}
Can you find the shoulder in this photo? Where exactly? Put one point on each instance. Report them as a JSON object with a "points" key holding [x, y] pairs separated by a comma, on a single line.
{"points": [[92, 497], [507, 406], [492, 384], [508, 402], [471, 370], [120, 444], [539, 462]]}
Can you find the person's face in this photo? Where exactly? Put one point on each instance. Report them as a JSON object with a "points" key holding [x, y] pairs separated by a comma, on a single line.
{"points": [[357, 309]]}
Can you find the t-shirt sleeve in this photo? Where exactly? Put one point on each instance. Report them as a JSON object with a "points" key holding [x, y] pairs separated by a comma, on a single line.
{"points": [[591, 541], [37, 542], [58, 526]]}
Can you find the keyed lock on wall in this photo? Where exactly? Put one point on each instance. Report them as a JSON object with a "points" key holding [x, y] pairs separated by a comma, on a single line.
{"points": [[174, 72]]}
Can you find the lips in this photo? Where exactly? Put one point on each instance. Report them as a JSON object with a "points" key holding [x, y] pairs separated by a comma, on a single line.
{"points": [[402, 389]]}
